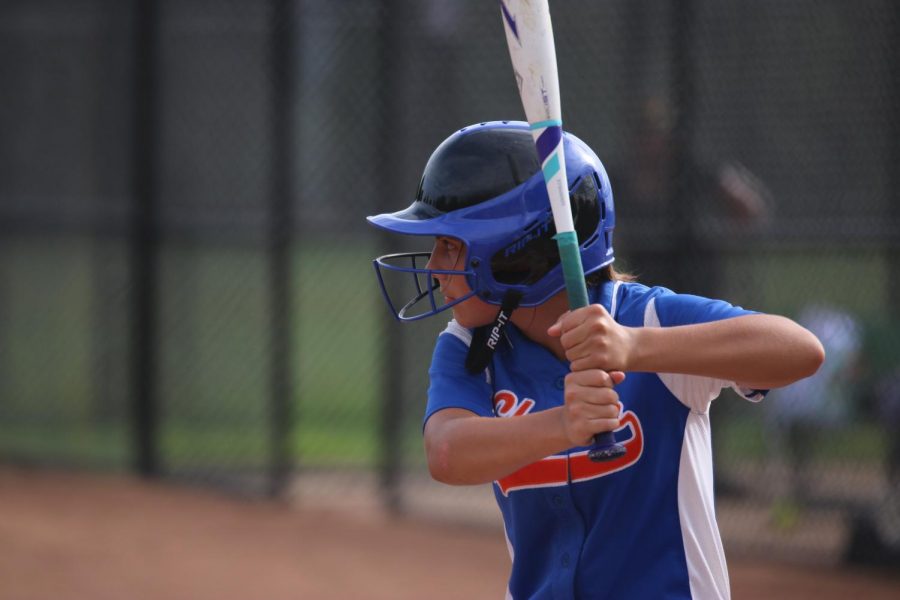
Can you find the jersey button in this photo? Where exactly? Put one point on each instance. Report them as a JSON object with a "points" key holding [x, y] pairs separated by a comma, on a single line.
{"points": [[565, 559], [557, 500], [560, 383]]}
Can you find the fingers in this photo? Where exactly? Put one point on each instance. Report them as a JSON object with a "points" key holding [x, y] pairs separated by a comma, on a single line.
{"points": [[555, 330], [591, 404], [576, 327], [592, 339], [617, 377], [580, 364], [569, 320], [572, 319], [582, 421], [593, 378], [593, 392]]}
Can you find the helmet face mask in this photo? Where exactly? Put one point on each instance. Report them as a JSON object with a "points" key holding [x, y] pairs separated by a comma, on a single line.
{"points": [[399, 273], [484, 187]]}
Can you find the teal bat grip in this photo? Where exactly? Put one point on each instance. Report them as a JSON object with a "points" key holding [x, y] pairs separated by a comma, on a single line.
{"points": [[605, 446], [573, 271]]}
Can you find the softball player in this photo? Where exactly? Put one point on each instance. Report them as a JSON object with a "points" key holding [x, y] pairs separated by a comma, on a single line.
{"points": [[517, 393]]}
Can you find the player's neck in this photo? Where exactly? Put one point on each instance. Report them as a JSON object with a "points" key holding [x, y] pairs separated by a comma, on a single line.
{"points": [[534, 322]]}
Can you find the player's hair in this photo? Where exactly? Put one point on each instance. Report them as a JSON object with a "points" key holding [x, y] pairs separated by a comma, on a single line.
{"points": [[609, 273]]}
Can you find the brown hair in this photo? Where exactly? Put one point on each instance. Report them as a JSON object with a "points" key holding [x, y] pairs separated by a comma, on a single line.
{"points": [[608, 273]]}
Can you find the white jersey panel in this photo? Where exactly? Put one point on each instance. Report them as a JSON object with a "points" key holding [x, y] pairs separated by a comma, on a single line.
{"points": [[512, 558], [694, 391], [457, 330], [707, 570]]}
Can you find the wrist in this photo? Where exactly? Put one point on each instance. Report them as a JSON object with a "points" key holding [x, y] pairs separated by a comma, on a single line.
{"points": [[560, 430], [642, 344]]}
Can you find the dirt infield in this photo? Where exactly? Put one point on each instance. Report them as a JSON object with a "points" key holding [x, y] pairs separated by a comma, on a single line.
{"points": [[85, 536]]}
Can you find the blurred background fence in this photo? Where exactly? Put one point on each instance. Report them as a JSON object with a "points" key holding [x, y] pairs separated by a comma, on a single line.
{"points": [[185, 279]]}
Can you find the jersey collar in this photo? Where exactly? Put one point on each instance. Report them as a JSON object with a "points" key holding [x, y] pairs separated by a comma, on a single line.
{"points": [[606, 294]]}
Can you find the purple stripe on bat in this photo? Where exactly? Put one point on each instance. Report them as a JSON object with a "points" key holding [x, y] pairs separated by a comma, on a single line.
{"points": [[548, 141], [510, 20]]}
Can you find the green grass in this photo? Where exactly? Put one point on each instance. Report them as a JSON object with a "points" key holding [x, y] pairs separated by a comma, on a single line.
{"points": [[858, 442], [96, 446], [213, 361], [785, 282]]}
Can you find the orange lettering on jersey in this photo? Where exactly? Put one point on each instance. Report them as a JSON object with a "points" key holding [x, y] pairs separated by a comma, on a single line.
{"points": [[560, 469], [506, 404], [548, 472]]}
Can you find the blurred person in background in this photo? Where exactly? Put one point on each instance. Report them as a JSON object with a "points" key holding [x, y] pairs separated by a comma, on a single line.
{"points": [[887, 514], [805, 412], [875, 536], [721, 197]]}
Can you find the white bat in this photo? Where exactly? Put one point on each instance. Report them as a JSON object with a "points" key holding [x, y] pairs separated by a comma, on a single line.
{"points": [[529, 35]]}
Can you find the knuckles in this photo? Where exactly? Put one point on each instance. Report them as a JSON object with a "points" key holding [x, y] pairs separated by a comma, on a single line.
{"points": [[591, 314], [595, 309], [577, 395], [589, 378]]}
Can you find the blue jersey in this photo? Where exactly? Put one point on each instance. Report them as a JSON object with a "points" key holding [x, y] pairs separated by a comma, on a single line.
{"points": [[640, 526]]}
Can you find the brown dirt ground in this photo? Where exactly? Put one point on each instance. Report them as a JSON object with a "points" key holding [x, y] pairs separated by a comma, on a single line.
{"points": [[97, 537]]}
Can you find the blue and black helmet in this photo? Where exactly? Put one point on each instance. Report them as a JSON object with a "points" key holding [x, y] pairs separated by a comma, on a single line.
{"points": [[484, 186]]}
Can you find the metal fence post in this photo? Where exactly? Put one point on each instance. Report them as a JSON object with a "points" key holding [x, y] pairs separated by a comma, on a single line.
{"points": [[893, 164], [282, 123], [145, 240], [680, 206], [390, 96]]}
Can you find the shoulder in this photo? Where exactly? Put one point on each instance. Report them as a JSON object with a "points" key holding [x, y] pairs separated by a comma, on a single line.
{"points": [[450, 384], [631, 300], [658, 306], [451, 346], [451, 350], [685, 309]]}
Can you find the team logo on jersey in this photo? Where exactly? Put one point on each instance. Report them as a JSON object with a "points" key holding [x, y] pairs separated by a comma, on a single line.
{"points": [[576, 467], [506, 404]]}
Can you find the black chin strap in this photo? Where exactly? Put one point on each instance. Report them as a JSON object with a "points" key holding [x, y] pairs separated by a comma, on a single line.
{"points": [[486, 337]]}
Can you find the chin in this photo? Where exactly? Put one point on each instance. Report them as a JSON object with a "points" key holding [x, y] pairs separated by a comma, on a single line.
{"points": [[472, 321], [474, 312]]}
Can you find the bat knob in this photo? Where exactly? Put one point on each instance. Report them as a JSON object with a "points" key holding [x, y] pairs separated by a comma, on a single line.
{"points": [[605, 453]]}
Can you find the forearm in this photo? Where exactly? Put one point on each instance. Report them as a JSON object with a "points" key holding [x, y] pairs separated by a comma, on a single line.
{"points": [[757, 351], [467, 450]]}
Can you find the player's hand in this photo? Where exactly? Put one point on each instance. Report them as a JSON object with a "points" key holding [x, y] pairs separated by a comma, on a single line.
{"points": [[592, 339], [591, 404]]}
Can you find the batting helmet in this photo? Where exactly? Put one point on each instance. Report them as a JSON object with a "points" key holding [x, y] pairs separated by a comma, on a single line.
{"points": [[484, 186]]}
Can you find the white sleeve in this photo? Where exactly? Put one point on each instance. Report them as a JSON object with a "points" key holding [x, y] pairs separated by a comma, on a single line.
{"points": [[694, 391]]}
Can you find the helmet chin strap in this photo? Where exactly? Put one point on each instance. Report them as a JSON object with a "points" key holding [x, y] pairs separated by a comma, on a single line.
{"points": [[486, 337]]}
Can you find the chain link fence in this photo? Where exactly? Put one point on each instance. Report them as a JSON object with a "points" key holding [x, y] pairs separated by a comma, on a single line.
{"points": [[185, 279]]}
